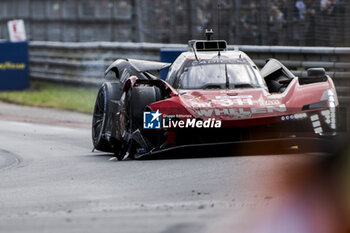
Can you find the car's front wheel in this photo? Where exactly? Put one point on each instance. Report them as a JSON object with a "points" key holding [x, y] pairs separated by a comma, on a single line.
{"points": [[99, 122]]}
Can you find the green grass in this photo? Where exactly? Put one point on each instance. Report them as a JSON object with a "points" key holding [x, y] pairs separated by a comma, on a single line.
{"points": [[52, 95]]}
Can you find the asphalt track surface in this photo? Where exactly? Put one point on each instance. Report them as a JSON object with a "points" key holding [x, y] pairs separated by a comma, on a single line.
{"points": [[50, 181]]}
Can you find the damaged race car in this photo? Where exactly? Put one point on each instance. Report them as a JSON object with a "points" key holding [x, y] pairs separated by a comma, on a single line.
{"points": [[210, 97]]}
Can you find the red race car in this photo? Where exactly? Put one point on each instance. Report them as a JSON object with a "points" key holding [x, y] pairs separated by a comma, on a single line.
{"points": [[211, 98]]}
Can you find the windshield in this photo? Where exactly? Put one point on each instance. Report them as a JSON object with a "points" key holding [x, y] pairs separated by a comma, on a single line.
{"points": [[220, 75]]}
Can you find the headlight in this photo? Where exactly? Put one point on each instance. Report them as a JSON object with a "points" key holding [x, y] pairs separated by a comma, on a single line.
{"points": [[330, 96], [330, 115]]}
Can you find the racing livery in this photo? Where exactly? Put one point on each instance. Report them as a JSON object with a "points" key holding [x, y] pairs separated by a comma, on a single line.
{"points": [[210, 97]]}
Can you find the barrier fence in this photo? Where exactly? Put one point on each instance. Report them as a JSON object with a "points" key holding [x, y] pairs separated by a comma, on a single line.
{"points": [[85, 62]]}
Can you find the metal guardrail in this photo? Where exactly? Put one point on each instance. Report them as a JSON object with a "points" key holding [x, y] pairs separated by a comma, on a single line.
{"points": [[85, 62]]}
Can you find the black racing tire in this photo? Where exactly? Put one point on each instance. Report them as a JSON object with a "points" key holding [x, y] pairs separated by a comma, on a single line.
{"points": [[102, 114], [99, 122], [139, 98]]}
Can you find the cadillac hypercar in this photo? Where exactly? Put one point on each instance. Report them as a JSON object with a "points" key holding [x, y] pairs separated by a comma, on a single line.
{"points": [[211, 97]]}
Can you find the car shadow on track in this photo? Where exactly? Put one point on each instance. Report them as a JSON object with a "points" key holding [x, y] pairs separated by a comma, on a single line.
{"points": [[251, 148], [220, 151], [226, 151]]}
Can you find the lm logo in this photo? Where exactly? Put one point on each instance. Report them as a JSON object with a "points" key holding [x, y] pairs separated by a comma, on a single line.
{"points": [[151, 120]]}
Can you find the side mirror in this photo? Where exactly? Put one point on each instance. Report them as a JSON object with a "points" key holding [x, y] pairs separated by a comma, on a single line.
{"points": [[316, 72], [314, 75]]}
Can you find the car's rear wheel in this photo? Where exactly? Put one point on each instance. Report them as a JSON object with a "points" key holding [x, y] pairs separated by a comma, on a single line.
{"points": [[137, 99]]}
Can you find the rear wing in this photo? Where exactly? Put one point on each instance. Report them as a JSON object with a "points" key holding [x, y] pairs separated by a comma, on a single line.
{"points": [[140, 65]]}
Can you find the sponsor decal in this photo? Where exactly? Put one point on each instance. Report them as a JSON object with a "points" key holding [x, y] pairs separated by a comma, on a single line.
{"points": [[233, 97], [240, 112], [232, 112], [272, 102], [225, 102], [220, 61], [12, 66]]}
